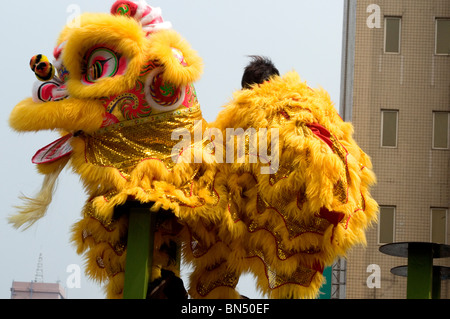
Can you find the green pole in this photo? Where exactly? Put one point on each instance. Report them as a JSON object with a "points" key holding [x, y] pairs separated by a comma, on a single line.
{"points": [[436, 283], [420, 271], [139, 252], [325, 289]]}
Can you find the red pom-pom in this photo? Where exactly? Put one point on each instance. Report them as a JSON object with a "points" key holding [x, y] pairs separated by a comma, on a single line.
{"points": [[125, 8]]}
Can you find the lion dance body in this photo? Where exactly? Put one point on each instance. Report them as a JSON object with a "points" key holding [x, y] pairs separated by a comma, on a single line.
{"points": [[123, 85]]}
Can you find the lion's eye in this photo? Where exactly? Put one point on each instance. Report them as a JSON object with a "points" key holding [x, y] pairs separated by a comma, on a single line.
{"points": [[97, 70], [100, 63]]}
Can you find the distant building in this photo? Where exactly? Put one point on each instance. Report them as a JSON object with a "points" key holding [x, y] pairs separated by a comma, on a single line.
{"points": [[396, 92], [37, 290]]}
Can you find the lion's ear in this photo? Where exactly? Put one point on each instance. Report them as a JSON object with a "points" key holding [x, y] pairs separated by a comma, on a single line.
{"points": [[182, 65]]}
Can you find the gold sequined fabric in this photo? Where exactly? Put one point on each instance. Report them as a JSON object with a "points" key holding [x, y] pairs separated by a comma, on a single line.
{"points": [[300, 276], [125, 144], [224, 279]]}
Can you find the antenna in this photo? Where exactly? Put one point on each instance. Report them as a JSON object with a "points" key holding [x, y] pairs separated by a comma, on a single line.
{"points": [[39, 277]]}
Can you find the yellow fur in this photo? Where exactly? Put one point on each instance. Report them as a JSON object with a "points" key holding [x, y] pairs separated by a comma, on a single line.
{"points": [[71, 114], [161, 50]]}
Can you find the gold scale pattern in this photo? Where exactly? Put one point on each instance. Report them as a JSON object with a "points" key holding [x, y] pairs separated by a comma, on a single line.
{"points": [[125, 144]]}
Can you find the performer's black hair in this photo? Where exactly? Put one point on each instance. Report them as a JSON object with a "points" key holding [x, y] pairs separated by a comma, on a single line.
{"points": [[260, 69]]}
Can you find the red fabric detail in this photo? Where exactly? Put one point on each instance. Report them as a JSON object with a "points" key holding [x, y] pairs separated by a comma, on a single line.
{"points": [[333, 217], [109, 119], [147, 11], [321, 132], [285, 114], [46, 91], [123, 63], [58, 50], [318, 267], [157, 20]]}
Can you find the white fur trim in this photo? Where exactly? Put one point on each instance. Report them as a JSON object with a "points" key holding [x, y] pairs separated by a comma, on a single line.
{"points": [[158, 26], [142, 5]]}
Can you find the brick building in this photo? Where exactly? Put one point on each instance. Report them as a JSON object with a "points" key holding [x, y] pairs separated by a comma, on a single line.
{"points": [[396, 92]]}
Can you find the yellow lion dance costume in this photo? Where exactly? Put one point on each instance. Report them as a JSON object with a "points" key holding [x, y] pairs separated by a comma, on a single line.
{"points": [[296, 198]]}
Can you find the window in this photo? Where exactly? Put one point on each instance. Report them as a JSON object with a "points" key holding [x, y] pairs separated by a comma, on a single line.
{"points": [[389, 124], [441, 124], [439, 225], [392, 32], [386, 225], [443, 36]]}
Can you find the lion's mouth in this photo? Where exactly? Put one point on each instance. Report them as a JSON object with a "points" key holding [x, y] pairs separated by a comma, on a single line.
{"points": [[52, 90]]}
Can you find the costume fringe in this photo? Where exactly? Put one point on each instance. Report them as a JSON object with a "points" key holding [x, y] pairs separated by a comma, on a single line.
{"points": [[34, 208]]}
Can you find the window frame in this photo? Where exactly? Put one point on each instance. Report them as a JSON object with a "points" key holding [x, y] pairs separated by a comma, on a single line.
{"points": [[436, 19], [433, 132], [394, 215], [382, 128], [446, 223], [399, 34]]}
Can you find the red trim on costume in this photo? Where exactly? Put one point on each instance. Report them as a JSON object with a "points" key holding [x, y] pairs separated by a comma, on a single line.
{"points": [[285, 114], [321, 132], [332, 216], [363, 209], [318, 267]]}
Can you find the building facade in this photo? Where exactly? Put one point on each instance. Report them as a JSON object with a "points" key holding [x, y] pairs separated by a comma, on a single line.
{"points": [[37, 290], [395, 90]]}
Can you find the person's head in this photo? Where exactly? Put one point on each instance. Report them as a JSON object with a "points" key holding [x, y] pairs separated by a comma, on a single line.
{"points": [[259, 70]]}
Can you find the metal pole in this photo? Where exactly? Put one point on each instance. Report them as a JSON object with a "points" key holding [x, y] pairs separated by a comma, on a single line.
{"points": [[420, 271], [139, 257]]}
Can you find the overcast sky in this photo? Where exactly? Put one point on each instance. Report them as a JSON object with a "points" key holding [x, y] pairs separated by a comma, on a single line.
{"points": [[300, 35]]}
